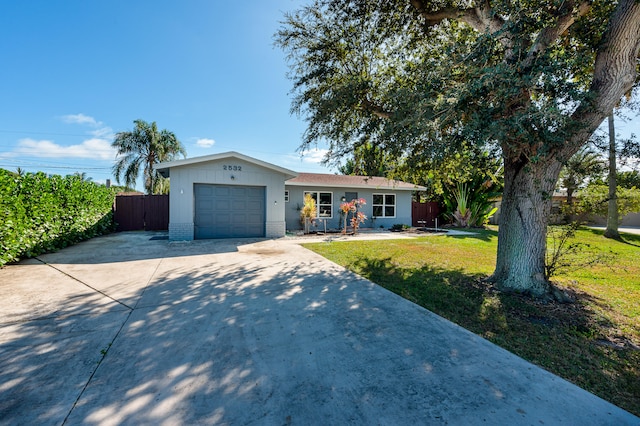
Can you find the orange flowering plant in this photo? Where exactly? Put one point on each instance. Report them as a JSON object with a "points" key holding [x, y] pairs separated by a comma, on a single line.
{"points": [[357, 217]]}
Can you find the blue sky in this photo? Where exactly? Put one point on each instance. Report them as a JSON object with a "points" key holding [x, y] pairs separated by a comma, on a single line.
{"points": [[75, 72]]}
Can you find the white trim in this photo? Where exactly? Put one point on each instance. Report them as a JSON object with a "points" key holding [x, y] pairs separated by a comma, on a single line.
{"points": [[164, 168], [384, 204], [318, 203], [361, 186]]}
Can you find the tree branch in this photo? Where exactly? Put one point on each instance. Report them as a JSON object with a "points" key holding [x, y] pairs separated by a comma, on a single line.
{"points": [[566, 15], [615, 70], [376, 110], [479, 18]]}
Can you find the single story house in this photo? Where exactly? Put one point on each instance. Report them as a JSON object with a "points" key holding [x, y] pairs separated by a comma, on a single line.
{"points": [[230, 195]]}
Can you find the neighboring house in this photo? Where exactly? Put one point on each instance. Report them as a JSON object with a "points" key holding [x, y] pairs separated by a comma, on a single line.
{"points": [[233, 195]]}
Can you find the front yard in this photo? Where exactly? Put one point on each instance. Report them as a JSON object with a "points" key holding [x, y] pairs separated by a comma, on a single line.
{"points": [[594, 343]]}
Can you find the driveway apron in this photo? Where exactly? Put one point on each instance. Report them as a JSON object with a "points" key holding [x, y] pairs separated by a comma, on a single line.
{"points": [[123, 329]]}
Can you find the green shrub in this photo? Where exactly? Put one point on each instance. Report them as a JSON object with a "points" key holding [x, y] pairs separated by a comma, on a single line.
{"points": [[399, 227], [594, 199], [40, 213]]}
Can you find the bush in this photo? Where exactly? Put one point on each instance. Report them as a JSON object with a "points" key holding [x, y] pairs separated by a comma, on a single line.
{"points": [[40, 213], [594, 199], [399, 227]]}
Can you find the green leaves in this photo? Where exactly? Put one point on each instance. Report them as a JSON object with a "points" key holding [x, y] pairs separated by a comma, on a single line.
{"points": [[40, 213], [142, 148], [594, 198], [416, 81]]}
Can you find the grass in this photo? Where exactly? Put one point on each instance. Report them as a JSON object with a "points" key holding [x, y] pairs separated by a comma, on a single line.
{"points": [[594, 342]]}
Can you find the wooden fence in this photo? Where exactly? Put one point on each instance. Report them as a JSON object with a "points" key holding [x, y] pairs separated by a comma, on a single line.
{"points": [[141, 212], [424, 214]]}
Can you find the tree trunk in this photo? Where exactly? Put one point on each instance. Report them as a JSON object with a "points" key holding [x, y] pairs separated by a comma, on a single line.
{"points": [[522, 236], [612, 213], [569, 213]]}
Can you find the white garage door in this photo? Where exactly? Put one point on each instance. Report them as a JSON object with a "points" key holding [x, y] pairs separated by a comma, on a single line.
{"points": [[228, 211]]}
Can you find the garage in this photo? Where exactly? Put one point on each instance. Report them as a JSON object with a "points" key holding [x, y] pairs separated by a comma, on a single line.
{"points": [[229, 211], [226, 195]]}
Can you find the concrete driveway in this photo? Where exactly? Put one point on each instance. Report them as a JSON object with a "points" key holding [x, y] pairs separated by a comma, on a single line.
{"points": [[123, 329]]}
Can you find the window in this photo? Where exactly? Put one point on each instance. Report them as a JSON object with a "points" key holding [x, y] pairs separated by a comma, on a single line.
{"points": [[286, 196], [384, 205], [324, 203]]}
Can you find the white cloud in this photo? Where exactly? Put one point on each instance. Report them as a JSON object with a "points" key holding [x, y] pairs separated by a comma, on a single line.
{"points": [[308, 161], [95, 148], [80, 119], [103, 133], [205, 143], [314, 156]]}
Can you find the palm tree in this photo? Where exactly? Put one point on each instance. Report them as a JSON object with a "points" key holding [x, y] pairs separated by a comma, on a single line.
{"points": [[83, 176], [144, 147], [584, 164], [613, 218]]}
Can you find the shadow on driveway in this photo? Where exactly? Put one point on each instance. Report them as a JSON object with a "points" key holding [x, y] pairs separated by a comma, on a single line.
{"points": [[268, 333]]}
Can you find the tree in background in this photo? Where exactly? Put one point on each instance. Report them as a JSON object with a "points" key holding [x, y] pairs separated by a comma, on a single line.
{"points": [[619, 151], [594, 199], [585, 165], [367, 160], [479, 170], [83, 176], [613, 217], [419, 78], [143, 148], [628, 179]]}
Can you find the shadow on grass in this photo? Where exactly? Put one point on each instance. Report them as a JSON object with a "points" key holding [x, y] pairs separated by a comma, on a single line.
{"points": [[569, 340], [625, 237], [475, 233]]}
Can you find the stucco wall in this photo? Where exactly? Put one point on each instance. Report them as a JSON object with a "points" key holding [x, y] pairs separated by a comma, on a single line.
{"points": [[631, 220], [230, 171], [296, 201]]}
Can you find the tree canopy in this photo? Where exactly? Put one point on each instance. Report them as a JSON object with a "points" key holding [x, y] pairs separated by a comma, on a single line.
{"points": [[422, 80], [142, 148]]}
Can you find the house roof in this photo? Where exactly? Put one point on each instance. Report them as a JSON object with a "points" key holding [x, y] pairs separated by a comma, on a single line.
{"points": [[295, 178], [364, 182], [164, 168]]}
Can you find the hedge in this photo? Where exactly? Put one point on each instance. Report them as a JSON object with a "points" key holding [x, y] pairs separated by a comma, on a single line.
{"points": [[40, 213]]}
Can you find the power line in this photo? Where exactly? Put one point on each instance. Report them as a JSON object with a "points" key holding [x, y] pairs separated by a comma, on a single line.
{"points": [[55, 167], [29, 132], [51, 165]]}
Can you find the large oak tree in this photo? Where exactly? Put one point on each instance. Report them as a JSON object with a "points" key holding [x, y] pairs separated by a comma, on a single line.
{"points": [[420, 79]]}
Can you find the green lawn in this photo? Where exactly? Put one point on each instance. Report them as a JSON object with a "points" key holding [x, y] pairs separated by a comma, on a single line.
{"points": [[594, 343]]}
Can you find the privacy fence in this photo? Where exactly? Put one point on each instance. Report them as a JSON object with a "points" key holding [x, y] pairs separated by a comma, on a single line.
{"points": [[425, 214], [141, 212]]}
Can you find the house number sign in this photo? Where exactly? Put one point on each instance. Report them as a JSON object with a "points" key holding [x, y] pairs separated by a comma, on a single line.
{"points": [[232, 167]]}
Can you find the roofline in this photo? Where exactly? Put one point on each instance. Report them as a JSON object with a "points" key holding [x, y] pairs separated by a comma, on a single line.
{"points": [[164, 168], [359, 186]]}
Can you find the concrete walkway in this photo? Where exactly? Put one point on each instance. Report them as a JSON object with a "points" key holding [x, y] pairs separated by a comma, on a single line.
{"points": [[123, 329], [621, 229]]}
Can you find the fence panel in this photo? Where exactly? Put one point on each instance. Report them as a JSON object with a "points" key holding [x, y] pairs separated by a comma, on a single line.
{"points": [[156, 212], [424, 214], [141, 212]]}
